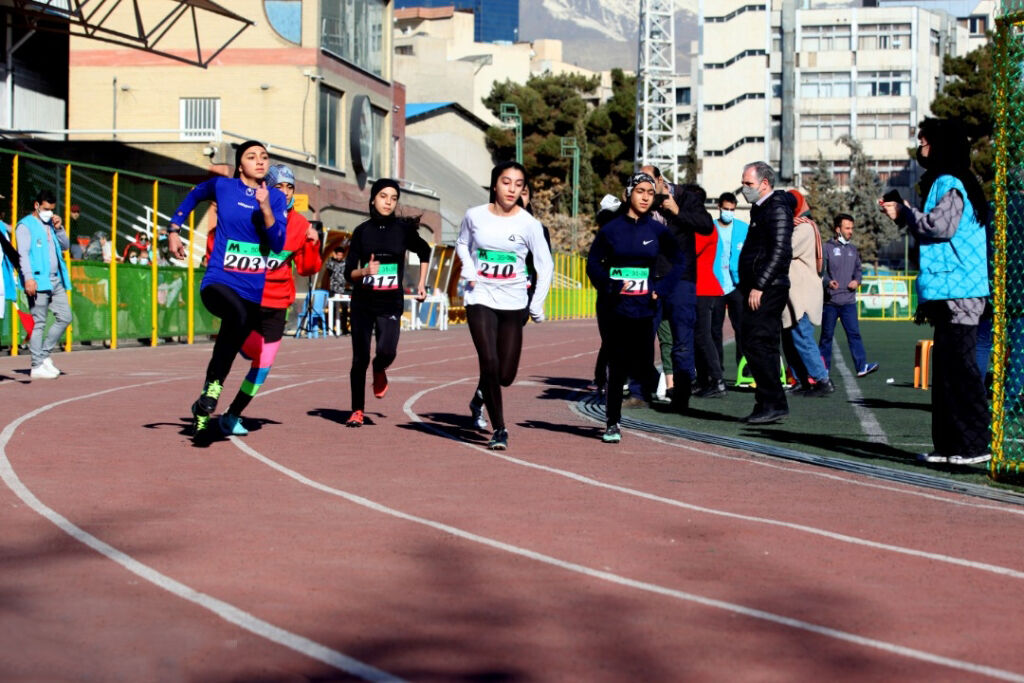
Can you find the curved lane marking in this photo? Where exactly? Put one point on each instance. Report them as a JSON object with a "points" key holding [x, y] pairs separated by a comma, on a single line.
{"points": [[224, 610], [891, 648]]}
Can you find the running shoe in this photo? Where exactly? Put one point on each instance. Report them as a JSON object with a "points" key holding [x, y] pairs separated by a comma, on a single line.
{"points": [[48, 363], [380, 383], [476, 411], [867, 369], [612, 434], [355, 419], [969, 459], [231, 425], [499, 440], [933, 457], [205, 405]]}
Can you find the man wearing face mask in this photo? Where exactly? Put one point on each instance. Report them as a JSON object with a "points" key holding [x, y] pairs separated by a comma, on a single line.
{"points": [[841, 276], [41, 243], [764, 281], [732, 233]]}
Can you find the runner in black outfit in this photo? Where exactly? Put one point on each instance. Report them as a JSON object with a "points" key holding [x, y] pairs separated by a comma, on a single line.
{"points": [[376, 268]]}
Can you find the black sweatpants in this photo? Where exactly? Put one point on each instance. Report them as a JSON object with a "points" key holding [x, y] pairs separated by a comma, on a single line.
{"points": [[364, 322], [762, 335], [960, 415], [734, 306], [498, 338], [629, 343], [238, 317], [708, 339]]}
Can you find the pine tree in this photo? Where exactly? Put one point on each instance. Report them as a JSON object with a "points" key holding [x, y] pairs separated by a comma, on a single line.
{"points": [[873, 230], [824, 197]]}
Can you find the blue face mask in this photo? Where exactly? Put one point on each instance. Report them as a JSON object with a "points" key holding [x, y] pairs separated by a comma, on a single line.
{"points": [[725, 216], [291, 202]]}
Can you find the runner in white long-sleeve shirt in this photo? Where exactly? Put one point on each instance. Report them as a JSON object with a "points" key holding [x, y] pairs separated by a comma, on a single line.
{"points": [[493, 243]]}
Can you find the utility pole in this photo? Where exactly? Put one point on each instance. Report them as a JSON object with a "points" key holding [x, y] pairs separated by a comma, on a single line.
{"points": [[571, 150], [510, 116], [656, 140]]}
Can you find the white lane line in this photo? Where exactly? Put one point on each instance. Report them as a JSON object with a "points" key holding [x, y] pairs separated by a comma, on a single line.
{"points": [[842, 538], [610, 577], [868, 422], [224, 610]]}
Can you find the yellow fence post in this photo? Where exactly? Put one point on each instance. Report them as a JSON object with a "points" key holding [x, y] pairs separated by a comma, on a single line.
{"points": [[153, 268], [113, 263], [191, 278], [67, 252], [15, 322]]}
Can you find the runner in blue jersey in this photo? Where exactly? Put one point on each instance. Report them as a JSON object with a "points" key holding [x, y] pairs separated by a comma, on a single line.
{"points": [[251, 229]]}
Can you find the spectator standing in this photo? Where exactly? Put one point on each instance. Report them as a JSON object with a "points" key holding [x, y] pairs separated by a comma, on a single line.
{"points": [[732, 232], [952, 288], [764, 280], [41, 242], [841, 275], [337, 285], [710, 317]]}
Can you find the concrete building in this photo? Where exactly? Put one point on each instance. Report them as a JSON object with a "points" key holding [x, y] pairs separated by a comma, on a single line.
{"points": [[782, 84], [977, 16], [494, 21], [312, 78]]}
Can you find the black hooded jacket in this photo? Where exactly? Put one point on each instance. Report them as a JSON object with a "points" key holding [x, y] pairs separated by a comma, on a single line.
{"points": [[692, 218], [766, 255]]}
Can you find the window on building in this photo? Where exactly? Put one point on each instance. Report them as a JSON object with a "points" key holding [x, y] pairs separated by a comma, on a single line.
{"points": [[824, 84], [285, 17], [682, 119], [777, 40], [682, 96], [404, 50], [824, 38], [883, 84], [377, 167], [883, 37], [886, 169], [936, 43], [884, 127], [976, 24], [329, 128], [824, 126], [198, 117], [776, 84], [353, 30]]}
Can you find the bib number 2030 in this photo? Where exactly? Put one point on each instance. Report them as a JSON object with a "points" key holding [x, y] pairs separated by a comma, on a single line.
{"points": [[497, 265], [634, 280], [385, 279]]}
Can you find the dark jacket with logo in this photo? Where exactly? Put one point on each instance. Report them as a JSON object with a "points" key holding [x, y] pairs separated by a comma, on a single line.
{"points": [[692, 218], [766, 255]]}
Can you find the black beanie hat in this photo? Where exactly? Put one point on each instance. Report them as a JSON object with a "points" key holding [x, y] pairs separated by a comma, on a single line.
{"points": [[380, 184], [240, 150]]}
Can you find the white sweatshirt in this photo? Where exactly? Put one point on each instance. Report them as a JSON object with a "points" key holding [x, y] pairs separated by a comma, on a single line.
{"points": [[493, 252]]}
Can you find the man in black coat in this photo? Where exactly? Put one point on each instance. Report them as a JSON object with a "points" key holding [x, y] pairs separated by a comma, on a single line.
{"points": [[764, 281]]}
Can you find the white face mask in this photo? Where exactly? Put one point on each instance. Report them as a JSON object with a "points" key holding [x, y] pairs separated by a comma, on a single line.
{"points": [[842, 240], [45, 215], [133, 258]]}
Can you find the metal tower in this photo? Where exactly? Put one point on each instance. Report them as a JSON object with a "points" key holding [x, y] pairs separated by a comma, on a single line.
{"points": [[655, 95]]}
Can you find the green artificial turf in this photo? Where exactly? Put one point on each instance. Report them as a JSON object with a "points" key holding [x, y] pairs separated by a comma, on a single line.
{"points": [[888, 424]]}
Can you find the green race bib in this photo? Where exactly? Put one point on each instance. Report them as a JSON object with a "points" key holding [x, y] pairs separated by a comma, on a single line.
{"points": [[497, 265], [634, 280]]}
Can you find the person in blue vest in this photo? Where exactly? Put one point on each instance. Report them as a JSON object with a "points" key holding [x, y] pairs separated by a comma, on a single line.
{"points": [[41, 243], [951, 287]]}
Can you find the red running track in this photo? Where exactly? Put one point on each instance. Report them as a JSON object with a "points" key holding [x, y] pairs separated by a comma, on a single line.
{"points": [[405, 550]]}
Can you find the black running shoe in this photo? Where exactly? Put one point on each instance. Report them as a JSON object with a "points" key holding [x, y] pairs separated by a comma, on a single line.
{"points": [[499, 440]]}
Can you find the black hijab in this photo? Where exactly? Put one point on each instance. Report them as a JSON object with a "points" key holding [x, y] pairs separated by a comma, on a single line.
{"points": [[949, 153]]}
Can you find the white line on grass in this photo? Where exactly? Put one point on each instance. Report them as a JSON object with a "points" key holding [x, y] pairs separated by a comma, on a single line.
{"points": [[224, 610], [868, 422]]}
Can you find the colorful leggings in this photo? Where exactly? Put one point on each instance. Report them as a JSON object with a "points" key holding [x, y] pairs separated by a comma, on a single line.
{"points": [[261, 348]]}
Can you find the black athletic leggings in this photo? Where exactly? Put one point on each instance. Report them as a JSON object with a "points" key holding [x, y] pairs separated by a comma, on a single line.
{"points": [[629, 345], [363, 322], [498, 338], [238, 318]]}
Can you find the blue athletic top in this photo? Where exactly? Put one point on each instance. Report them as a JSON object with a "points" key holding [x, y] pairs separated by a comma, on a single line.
{"points": [[242, 244]]}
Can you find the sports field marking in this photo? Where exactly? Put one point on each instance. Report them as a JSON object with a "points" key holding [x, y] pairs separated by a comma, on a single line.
{"points": [[224, 610], [892, 648], [842, 538], [868, 422]]}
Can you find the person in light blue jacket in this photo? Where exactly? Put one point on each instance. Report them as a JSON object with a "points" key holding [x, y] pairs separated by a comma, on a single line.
{"points": [[732, 233], [951, 288]]}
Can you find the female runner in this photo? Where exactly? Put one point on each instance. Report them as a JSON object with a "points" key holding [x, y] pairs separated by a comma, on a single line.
{"points": [[301, 246], [251, 220], [494, 240], [620, 266], [376, 268]]}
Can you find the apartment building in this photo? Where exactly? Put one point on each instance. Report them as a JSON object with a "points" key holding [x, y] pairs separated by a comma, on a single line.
{"points": [[311, 78], [780, 83]]}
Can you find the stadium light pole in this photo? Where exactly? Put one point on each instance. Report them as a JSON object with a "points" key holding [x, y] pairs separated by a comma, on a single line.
{"points": [[571, 150], [510, 116]]}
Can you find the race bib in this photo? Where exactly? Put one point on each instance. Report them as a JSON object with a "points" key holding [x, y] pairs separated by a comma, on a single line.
{"points": [[634, 280], [276, 260], [385, 279], [243, 257], [496, 265]]}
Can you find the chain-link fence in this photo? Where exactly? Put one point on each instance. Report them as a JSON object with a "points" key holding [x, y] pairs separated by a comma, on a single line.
{"points": [[1008, 252], [887, 297]]}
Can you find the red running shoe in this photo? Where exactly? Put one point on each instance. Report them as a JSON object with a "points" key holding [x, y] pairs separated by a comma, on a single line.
{"points": [[355, 419], [380, 383]]}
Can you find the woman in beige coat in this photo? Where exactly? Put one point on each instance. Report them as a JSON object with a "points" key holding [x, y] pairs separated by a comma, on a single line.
{"points": [[803, 311]]}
